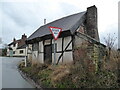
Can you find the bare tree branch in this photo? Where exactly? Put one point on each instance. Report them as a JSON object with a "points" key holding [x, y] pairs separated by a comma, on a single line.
{"points": [[110, 40]]}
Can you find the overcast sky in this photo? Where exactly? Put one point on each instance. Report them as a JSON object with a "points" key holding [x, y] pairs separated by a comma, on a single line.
{"points": [[18, 17]]}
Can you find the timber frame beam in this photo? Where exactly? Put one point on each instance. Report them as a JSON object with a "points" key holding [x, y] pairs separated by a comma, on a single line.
{"points": [[64, 51]]}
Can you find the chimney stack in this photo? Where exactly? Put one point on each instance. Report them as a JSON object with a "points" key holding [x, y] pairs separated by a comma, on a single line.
{"points": [[14, 39], [44, 21], [91, 22], [24, 37]]}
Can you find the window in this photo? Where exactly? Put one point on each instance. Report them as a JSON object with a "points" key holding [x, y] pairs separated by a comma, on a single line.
{"points": [[21, 51], [53, 47], [13, 52]]}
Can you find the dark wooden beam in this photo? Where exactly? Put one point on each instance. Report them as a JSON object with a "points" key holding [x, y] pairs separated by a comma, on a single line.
{"points": [[73, 43], [43, 50], [62, 46]]}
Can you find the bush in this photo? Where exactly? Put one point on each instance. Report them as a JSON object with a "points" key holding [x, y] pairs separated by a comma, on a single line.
{"points": [[85, 79], [70, 76]]}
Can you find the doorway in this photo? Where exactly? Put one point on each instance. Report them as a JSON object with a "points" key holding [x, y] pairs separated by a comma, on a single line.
{"points": [[48, 54]]}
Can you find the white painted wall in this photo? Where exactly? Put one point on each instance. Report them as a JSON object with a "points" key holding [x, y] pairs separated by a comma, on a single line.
{"points": [[35, 55], [13, 48], [40, 58], [59, 44], [8, 52], [17, 51], [67, 56], [66, 41], [41, 48], [29, 52]]}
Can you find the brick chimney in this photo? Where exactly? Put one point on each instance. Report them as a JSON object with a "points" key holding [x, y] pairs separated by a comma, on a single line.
{"points": [[24, 37], [14, 39], [91, 22]]}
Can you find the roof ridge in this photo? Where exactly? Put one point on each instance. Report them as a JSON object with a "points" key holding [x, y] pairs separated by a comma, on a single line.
{"points": [[55, 21], [62, 18]]}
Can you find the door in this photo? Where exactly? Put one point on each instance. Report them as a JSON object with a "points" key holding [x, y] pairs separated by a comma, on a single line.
{"points": [[48, 54]]}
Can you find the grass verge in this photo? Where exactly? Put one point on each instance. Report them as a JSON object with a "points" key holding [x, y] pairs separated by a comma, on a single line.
{"points": [[69, 76]]}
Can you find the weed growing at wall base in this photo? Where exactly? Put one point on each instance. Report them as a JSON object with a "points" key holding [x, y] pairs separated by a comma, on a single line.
{"points": [[69, 76]]}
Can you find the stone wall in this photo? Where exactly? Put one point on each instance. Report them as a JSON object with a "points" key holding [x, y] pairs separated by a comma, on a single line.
{"points": [[91, 22], [88, 52]]}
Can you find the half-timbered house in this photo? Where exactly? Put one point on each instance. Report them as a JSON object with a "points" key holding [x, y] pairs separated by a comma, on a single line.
{"points": [[77, 30]]}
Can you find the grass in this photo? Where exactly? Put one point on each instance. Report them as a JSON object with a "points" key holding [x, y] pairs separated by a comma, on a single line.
{"points": [[70, 76]]}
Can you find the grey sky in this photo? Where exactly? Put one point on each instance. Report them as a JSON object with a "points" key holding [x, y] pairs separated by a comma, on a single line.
{"points": [[19, 17]]}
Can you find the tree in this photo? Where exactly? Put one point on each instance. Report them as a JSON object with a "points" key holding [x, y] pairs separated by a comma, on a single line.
{"points": [[110, 41], [4, 52]]}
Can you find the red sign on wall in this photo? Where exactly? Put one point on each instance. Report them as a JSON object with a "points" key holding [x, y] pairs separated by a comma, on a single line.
{"points": [[55, 32]]}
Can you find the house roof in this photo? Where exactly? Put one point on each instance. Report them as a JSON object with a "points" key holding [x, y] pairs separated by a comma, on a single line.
{"points": [[20, 42], [10, 48], [21, 47], [87, 37], [11, 43], [14, 42], [70, 23]]}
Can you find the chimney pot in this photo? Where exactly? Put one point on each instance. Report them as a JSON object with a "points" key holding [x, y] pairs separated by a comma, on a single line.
{"points": [[14, 40], [44, 21], [24, 36]]}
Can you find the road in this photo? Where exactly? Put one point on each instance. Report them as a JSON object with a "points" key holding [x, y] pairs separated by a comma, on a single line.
{"points": [[11, 77]]}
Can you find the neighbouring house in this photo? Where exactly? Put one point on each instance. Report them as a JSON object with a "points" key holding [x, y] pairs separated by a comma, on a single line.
{"points": [[79, 37], [17, 47]]}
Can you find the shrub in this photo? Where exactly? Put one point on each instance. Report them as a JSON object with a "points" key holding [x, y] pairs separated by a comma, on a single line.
{"points": [[75, 75]]}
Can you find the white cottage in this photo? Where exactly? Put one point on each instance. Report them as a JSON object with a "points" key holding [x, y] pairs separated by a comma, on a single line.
{"points": [[40, 43], [17, 47]]}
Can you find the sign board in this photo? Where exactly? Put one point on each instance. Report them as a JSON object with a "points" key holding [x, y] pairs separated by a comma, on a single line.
{"points": [[55, 32]]}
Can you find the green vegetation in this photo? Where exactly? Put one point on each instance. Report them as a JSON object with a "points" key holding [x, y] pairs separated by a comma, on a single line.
{"points": [[93, 67], [3, 52], [70, 76], [39, 73]]}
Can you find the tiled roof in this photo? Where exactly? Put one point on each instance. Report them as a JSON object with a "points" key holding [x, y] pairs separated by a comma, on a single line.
{"points": [[21, 47], [70, 23]]}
